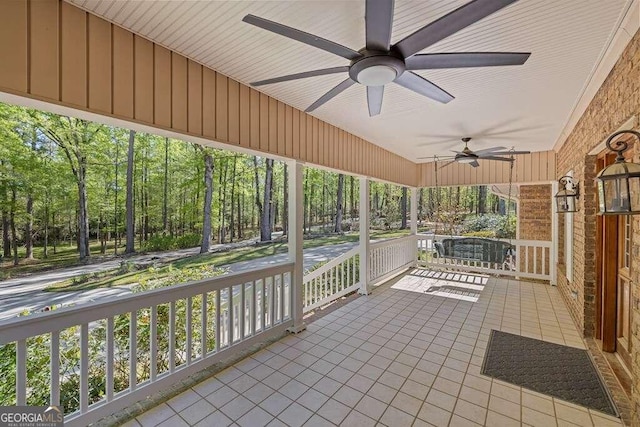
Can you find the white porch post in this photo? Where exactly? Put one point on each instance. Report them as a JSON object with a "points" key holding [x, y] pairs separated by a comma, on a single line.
{"points": [[295, 236], [413, 217], [553, 256], [364, 236]]}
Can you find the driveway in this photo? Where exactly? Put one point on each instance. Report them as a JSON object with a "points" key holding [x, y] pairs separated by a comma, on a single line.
{"points": [[26, 293]]}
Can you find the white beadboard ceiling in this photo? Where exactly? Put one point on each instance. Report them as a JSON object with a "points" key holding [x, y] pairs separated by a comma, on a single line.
{"points": [[522, 106]]}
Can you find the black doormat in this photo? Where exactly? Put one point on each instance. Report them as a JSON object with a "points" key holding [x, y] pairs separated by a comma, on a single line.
{"points": [[556, 370]]}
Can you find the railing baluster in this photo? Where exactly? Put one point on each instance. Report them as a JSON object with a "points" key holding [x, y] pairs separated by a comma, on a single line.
{"points": [[203, 326], [189, 331], [133, 350], [217, 319], [281, 297], [230, 311], [264, 305], [54, 364], [243, 315], [526, 257], [109, 379], [21, 372], [84, 367], [172, 336], [254, 307], [153, 338]]}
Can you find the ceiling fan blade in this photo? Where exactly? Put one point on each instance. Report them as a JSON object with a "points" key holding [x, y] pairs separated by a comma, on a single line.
{"points": [[374, 99], [423, 86], [447, 164], [489, 150], [506, 153], [341, 87], [449, 24], [379, 21], [474, 164], [301, 36], [431, 61], [303, 75], [500, 159]]}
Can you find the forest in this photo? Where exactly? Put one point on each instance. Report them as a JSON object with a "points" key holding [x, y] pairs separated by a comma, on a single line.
{"points": [[67, 182]]}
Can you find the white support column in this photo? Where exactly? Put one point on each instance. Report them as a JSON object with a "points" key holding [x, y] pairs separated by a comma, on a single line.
{"points": [[364, 237], [413, 217], [295, 236], [553, 256]]}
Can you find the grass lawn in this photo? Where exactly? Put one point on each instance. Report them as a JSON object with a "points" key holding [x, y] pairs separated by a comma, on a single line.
{"points": [[113, 278]]}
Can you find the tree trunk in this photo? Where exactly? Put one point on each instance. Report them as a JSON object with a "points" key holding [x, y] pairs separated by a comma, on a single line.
{"points": [[258, 203], [265, 223], [482, 199], [115, 202], [28, 228], [403, 208], [339, 204], [208, 195], [83, 214], [285, 202], [233, 197], [165, 195], [130, 248], [6, 239], [45, 253], [12, 220]]}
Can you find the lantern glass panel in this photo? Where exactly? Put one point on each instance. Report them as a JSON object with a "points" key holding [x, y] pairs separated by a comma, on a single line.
{"points": [[616, 194]]}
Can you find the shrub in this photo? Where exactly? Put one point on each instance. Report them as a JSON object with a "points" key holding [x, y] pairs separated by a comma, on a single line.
{"points": [[501, 225], [167, 243]]}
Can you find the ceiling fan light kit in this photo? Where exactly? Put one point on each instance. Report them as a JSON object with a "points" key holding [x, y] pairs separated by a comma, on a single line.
{"points": [[380, 63]]}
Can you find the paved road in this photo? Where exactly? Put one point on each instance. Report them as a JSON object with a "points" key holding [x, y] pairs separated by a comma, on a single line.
{"points": [[26, 293]]}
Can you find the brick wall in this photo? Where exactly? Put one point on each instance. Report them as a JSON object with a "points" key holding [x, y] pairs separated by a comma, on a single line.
{"points": [[617, 100], [534, 212]]}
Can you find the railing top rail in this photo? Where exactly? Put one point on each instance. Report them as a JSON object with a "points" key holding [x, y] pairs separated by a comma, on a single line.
{"points": [[41, 323]]}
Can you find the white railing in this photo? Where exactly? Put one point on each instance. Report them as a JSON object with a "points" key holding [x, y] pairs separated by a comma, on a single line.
{"points": [[532, 258], [332, 280], [389, 257], [100, 357]]}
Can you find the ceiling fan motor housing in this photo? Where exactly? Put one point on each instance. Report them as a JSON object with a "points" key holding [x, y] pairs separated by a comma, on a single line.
{"points": [[376, 68]]}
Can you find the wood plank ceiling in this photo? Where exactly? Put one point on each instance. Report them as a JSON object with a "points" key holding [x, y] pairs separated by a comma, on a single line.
{"points": [[525, 106]]}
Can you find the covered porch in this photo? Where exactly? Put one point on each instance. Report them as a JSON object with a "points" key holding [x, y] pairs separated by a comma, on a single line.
{"points": [[398, 357]]}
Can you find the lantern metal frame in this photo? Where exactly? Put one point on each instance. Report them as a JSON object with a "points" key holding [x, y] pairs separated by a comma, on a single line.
{"points": [[622, 172], [567, 197]]}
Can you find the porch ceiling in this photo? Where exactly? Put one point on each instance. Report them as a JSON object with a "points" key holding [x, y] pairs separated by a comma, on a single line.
{"points": [[525, 106]]}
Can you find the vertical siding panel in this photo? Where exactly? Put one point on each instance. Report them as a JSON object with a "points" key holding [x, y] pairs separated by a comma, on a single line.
{"points": [[264, 122], [302, 120], [143, 79], [178, 92], [99, 64], [73, 49], [222, 107], [208, 103], [527, 168], [321, 144], [162, 86], [315, 141], [273, 125], [122, 72], [245, 113], [535, 166], [295, 119], [194, 120], [281, 128], [234, 111], [288, 132], [254, 118], [13, 45], [43, 58]]}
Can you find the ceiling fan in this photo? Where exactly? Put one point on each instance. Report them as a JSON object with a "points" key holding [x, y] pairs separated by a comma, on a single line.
{"points": [[380, 63], [467, 156]]}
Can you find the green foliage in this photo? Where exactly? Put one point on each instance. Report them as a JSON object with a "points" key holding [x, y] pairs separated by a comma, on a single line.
{"points": [[167, 243], [501, 225]]}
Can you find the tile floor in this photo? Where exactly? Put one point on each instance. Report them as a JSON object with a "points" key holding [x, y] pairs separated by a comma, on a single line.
{"points": [[399, 357]]}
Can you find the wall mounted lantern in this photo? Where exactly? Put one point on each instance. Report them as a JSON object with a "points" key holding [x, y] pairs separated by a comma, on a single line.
{"points": [[619, 183], [567, 197]]}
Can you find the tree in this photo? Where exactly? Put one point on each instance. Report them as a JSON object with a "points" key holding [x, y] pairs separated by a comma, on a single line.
{"points": [[130, 248], [403, 209], [74, 137], [265, 222], [339, 204], [208, 195]]}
